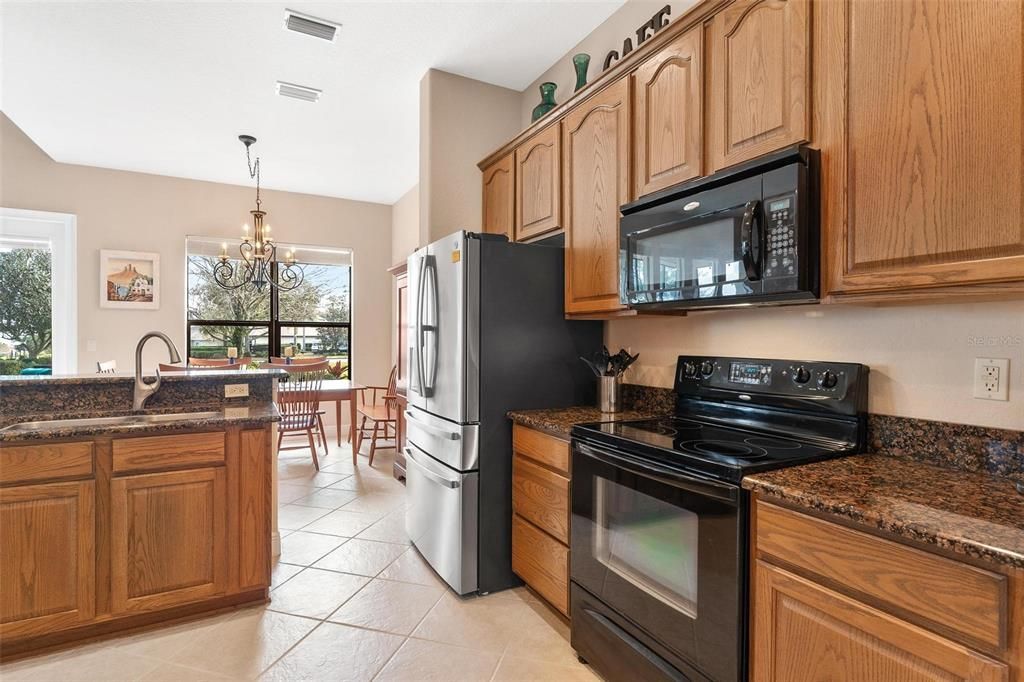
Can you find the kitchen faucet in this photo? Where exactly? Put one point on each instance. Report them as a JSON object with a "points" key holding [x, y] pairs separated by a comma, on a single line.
{"points": [[143, 390]]}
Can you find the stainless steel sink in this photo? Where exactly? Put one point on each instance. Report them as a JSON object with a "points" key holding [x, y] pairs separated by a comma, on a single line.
{"points": [[125, 420]]}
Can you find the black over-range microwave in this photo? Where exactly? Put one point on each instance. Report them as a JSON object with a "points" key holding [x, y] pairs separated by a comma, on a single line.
{"points": [[744, 236]]}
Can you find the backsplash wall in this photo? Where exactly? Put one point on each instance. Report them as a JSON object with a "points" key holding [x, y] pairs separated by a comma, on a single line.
{"points": [[921, 356]]}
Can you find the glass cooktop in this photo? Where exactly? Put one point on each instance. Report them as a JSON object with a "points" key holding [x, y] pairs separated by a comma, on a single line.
{"points": [[728, 451]]}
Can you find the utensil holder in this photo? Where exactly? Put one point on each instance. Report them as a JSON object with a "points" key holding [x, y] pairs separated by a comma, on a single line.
{"points": [[609, 393]]}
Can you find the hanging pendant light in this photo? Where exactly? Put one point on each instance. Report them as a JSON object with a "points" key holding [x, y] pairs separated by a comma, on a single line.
{"points": [[258, 251]]}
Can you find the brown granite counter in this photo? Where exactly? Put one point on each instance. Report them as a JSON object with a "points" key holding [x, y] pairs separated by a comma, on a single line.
{"points": [[967, 512], [198, 417], [559, 421]]}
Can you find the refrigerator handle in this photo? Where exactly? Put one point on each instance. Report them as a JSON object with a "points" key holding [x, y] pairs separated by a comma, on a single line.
{"points": [[411, 458], [432, 328], [419, 388]]}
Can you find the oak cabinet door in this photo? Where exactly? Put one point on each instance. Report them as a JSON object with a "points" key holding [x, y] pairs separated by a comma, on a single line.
{"points": [[498, 197], [168, 538], [47, 557], [254, 509], [804, 631], [668, 103], [921, 133], [595, 149], [538, 184], [760, 78]]}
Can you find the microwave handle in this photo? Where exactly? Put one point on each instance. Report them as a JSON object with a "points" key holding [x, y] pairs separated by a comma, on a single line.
{"points": [[750, 240]]}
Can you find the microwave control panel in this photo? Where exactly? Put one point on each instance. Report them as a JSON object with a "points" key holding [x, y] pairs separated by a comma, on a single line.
{"points": [[780, 233]]}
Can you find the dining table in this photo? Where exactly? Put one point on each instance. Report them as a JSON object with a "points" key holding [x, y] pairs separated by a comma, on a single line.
{"points": [[338, 391]]}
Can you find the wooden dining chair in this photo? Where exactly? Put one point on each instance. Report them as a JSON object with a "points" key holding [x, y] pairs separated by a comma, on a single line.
{"points": [[208, 362], [279, 363], [185, 368], [298, 401], [381, 410], [108, 367]]}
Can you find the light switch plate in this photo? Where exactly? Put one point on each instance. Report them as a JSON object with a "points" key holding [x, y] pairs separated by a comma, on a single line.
{"points": [[992, 378], [236, 390]]}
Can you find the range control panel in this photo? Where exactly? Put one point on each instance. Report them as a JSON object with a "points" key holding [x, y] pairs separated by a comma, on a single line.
{"points": [[782, 381]]}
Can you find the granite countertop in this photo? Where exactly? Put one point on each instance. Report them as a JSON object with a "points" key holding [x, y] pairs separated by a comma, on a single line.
{"points": [[121, 377], [559, 421], [220, 416], [970, 513]]}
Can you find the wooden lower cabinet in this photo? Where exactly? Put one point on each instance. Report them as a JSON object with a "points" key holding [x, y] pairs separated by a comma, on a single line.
{"points": [[127, 543], [47, 557], [540, 514], [168, 538], [830, 602]]}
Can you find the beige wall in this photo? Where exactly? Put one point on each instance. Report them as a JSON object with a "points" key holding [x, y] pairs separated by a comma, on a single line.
{"points": [[606, 37], [461, 121], [140, 212], [405, 225], [921, 357]]}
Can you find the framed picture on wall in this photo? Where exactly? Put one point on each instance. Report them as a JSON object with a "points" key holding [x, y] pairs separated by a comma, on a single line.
{"points": [[129, 280]]}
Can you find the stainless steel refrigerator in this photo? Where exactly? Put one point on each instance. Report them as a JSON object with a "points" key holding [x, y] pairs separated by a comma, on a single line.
{"points": [[487, 335]]}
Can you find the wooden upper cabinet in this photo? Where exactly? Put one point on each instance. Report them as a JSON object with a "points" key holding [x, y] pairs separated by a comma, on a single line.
{"points": [[668, 105], [805, 631], [595, 151], [921, 132], [759, 84], [168, 538], [48, 559], [498, 204], [539, 184]]}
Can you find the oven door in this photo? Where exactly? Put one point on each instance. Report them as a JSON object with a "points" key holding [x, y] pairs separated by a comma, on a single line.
{"points": [[707, 248], [664, 550]]}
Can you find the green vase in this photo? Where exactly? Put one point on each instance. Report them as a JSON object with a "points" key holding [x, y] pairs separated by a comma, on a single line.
{"points": [[547, 101], [581, 63]]}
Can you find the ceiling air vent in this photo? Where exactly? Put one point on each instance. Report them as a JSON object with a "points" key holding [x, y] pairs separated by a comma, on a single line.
{"points": [[306, 94], [311, 26]]}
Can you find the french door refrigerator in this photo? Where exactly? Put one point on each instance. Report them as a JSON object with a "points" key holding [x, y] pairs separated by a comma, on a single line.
{"points": [[487, 335]]}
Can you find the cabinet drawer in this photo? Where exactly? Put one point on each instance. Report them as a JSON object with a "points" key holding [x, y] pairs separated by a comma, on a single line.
{"points": [[151, 453], [541, 447], [914, 584], [542, 562], [25, 463], [541, 496]]}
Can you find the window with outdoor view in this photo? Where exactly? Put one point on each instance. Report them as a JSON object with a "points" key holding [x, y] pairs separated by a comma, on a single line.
{"points": [[314, 319]]}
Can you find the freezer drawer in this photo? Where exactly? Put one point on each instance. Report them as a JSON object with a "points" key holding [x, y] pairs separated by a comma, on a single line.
{"points": [[454, 445], [441, 518]]}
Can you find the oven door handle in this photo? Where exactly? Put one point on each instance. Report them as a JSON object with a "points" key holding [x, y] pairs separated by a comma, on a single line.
{"points": [[750, 240], [677, 479]]}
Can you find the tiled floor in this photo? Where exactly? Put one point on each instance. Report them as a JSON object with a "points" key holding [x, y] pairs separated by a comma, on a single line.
{"points": [[351, 600]]}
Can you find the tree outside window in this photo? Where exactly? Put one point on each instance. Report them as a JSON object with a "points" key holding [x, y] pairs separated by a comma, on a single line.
{"points": [[26, 324]]}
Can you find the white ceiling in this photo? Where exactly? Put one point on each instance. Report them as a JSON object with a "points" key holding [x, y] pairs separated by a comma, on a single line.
{"points": [[166, 87]]}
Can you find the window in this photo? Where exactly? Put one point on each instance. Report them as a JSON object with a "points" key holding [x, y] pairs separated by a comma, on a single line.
{"points": [[38, 318], [313, 319]]}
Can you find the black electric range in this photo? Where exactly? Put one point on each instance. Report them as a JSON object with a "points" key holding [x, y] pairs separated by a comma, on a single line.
{"points": [[659, 521]]}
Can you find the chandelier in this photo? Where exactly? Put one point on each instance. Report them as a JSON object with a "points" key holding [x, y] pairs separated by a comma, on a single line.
{"points": [[258, 253]]}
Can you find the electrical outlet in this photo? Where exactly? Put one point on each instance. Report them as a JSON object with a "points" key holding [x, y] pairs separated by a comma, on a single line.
{"points": [[992, 378], [236, 390]]}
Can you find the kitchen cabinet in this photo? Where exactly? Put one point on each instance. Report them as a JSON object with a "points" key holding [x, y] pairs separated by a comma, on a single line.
{"points": [[168, 538], [668, 101], [920, 131], [400, 273], [498, 199], [113, 532], [759, 79], [540, 514], [830, 601], [538, 179], [48, 557], [595, 150]]}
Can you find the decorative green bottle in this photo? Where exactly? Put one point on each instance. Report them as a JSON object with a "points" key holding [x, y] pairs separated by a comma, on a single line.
{"points": [[581, 62], [547, 101]]}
